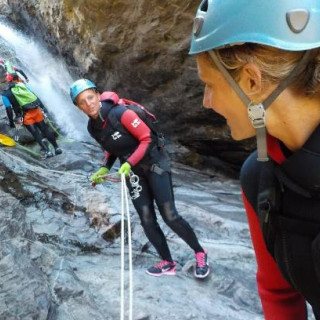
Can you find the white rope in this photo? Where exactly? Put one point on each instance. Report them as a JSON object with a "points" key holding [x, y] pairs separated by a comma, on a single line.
{"points": [[125, 206], [122, 254], [130, 254]]}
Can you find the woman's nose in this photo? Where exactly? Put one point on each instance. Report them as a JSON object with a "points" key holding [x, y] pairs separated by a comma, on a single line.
{"points": [[86, 102]]}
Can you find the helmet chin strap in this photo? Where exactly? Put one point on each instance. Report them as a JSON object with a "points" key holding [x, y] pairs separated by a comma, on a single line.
{"points": [[256, 111]]}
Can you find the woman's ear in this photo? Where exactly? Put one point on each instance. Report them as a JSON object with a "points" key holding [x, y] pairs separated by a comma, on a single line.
{"points": [[250, 79]]}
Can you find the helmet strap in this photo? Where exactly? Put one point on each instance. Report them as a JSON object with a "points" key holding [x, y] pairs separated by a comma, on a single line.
{"points": [[102, 118], [256, 111], [300, 66]]}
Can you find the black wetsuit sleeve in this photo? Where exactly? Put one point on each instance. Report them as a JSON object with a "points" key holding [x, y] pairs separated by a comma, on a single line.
{"points": [[109, 160]]}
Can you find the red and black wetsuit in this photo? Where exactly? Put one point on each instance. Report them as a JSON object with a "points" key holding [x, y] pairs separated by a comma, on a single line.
{"points": [[135, 143], [282, 200]]}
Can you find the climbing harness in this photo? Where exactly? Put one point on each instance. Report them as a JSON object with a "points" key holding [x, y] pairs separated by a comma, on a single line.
{"points": [[125, 206]]}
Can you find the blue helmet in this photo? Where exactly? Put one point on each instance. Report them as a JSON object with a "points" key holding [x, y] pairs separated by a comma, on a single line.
{"points": [[80, 86], [284, 24]]}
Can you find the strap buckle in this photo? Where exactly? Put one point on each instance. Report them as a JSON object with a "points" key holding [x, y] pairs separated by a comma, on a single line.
{"points": [[156, 169], [256, 114]]}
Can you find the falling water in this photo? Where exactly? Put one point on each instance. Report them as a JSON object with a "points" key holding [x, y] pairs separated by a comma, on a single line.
{"points": [[49, 78]]}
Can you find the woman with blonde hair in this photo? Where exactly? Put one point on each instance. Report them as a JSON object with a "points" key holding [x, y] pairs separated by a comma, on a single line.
{"points": [[126, 136], [260, 63]]}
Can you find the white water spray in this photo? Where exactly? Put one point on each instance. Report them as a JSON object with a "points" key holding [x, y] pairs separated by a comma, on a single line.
{"points": [[49, 79]]}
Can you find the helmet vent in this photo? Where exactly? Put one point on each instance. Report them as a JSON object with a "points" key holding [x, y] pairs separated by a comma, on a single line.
{"points": [[199, 19], [197, 25], [204, 6], [297, 19]]}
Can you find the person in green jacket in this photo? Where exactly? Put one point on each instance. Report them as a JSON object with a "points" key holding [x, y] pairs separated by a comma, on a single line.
{"points": [[19, 96], [12, 72]]}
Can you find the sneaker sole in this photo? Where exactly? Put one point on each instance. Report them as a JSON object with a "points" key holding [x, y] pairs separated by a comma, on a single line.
{"points": [[167, 273], [202, 275]]}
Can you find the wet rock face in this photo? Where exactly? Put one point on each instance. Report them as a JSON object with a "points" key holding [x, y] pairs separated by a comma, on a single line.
{"points": [[59, 262], [139, 48]]}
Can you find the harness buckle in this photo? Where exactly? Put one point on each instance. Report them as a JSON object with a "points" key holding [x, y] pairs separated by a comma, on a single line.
{"points": [[256, 114], [156, 169]]}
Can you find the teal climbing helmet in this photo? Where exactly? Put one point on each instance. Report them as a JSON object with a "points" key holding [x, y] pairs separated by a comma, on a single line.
{"points": [[285, 24], [80, 86]]}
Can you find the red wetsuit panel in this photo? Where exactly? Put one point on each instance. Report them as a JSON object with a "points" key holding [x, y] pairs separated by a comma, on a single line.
{"points": [[106, 157], [131, 121], [279, 300], [274, 149]]}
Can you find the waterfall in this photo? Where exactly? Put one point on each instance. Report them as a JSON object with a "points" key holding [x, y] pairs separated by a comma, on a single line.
{"points": [[49, 78]]}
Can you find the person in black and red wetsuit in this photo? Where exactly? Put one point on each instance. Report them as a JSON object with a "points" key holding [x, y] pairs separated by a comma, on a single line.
{"points": [[254, 55], [137, 148]]}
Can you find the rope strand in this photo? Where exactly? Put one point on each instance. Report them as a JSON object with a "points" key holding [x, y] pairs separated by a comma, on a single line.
{"points": [[125, 206]]}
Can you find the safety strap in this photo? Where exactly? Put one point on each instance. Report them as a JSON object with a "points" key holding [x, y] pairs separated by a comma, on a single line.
{"points": [[228, 77], [256, 111], [125, 206], [286, 82], [156, 169]]}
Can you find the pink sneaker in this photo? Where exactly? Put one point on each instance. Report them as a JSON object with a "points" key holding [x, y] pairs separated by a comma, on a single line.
{"points": [[164, 267], [202, 267]]}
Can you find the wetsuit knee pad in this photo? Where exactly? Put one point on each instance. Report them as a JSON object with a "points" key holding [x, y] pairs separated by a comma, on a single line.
{"points": [[147, 215], [169, 213]]}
